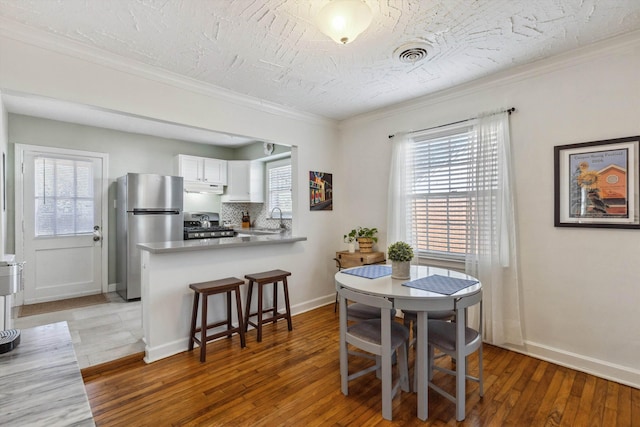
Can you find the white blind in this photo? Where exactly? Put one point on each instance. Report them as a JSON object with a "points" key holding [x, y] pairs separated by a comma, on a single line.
{"points": [[64, 196], [442, 191], [279, 186]]}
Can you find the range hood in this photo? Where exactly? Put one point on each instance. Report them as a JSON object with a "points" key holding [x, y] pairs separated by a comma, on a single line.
{"points": [[202, 187]]}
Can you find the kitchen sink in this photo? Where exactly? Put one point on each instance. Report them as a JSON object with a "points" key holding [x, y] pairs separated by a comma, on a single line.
{"points": [[259, 231]]}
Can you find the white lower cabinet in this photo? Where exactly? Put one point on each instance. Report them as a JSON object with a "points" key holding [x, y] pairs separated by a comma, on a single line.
{"points": [[245, 181]]}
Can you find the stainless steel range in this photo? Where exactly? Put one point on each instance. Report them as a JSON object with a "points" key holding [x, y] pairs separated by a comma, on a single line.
{"points": [[204, 225]]}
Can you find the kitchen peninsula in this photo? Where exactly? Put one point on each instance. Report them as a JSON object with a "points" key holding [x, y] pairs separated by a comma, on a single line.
{"points": [[169, 267]]}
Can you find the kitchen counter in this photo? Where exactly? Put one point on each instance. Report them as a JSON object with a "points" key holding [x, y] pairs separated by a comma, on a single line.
{"points": [[41, 381], [242, 240], [168, 269]]}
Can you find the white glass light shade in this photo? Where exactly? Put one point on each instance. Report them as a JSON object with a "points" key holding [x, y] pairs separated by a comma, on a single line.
{"points": [[344, 20]]}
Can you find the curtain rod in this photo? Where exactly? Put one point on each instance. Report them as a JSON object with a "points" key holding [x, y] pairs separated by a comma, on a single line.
{"points": [[509, 110]]}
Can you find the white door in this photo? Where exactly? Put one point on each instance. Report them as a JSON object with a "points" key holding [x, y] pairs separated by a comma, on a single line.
{"points": [[62, 223]]}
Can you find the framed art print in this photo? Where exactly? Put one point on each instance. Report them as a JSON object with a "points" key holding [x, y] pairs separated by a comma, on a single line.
{"points": [[596, 184], [320, 191]]}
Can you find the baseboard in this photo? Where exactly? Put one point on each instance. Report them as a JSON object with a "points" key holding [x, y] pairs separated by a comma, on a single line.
{"points": [[610, 371], [153, 354], [312, 304], [112, 365]]}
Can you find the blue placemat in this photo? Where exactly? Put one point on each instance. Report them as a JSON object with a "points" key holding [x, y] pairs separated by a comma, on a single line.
{"points": [[370, 271], [440, 284]]}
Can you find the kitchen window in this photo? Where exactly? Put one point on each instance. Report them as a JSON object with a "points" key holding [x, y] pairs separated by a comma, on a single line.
{"points": [[279, 188]]}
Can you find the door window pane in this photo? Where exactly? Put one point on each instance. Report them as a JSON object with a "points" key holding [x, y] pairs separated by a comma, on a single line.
{"points": [[64, 195]]}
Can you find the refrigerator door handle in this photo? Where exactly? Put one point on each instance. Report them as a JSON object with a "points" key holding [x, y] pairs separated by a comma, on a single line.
{"points": [[156, 211]]}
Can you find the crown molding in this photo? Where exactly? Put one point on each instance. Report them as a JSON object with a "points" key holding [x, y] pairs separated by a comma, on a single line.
{"points": [[610, 46], [56, 43]]}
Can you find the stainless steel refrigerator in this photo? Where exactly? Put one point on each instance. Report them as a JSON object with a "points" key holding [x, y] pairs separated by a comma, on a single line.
{"points": [[148, 210]]}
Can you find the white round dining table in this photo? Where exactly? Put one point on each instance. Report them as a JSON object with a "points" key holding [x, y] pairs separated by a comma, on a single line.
{"points": [[409, 298]]}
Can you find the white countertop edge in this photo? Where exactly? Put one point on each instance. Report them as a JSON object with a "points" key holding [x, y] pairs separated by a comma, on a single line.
{"points": [[218, 243]]}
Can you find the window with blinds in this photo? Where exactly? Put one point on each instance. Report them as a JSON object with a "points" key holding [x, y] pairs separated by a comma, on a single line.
{"points": [[64, 196], [442, 192], [279, 186]]}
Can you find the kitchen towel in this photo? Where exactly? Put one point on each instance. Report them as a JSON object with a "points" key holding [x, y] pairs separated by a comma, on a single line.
{"points": [[440, 284], [370, 271]]}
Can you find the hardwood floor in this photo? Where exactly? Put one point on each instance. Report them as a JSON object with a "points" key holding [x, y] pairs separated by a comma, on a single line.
{"points": [[292, 379]]}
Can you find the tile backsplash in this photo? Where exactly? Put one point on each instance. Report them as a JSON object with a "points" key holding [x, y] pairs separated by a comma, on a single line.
{"points": [[232, 213]]}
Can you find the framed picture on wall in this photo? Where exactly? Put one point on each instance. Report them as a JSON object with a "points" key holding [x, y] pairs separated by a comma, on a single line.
{"points": [[320, 191], [596, 184]]}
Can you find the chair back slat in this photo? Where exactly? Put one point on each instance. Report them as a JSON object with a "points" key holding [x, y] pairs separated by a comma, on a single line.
{"points": [[468, 301], [371, 300]]}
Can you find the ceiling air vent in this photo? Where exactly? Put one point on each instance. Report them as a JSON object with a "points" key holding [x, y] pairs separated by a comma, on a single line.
{"points": [[410, 53]]}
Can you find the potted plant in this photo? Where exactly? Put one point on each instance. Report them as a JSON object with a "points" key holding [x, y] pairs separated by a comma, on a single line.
{"points": [[366, 237], [400, 254], [350, 240]]}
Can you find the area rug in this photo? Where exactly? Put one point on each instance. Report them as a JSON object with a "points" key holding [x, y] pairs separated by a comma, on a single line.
{"points": [[65, 304]]}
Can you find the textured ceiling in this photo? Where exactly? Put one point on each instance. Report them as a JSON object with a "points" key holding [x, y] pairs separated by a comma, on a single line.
{"points": [[272, 50]]}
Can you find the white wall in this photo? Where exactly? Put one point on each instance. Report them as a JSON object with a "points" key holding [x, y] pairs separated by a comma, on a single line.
{"points": [[580, 287], [4, 129], [4, 143], [92, 79]]}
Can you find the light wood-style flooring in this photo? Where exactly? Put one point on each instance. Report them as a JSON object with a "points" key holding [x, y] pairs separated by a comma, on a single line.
{"points": [[100, 333], [292, 379]]}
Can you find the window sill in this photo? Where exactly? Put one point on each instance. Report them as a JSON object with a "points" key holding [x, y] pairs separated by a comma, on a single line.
{"points": [[457, 265]]}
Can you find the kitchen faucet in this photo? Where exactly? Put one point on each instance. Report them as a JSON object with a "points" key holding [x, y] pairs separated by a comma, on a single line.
{"points": [[281, 222]]}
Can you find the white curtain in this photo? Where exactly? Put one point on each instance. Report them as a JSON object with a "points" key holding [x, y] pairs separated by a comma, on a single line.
{"points": [[398, 207], [492, 256]]}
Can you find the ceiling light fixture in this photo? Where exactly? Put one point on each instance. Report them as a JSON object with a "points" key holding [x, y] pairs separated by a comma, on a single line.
{"points": [[344, 20]]}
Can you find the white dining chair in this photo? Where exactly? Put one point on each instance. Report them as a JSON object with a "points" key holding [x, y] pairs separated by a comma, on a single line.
{"points": [[380, 338], [458, 341], [358, 311], [410, 319]]}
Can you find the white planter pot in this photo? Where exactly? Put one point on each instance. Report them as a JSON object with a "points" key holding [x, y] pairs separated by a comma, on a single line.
{"points": [[401, 269], [352, 247]]}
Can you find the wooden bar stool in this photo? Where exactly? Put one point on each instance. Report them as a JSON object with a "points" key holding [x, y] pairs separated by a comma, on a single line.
{"points": [[261, 279], [226, 285]]}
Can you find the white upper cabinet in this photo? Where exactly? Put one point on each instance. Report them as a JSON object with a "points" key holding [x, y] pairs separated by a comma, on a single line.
{"points": [[215, 171], [202, 169], [245, 181], [190, 168]]}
